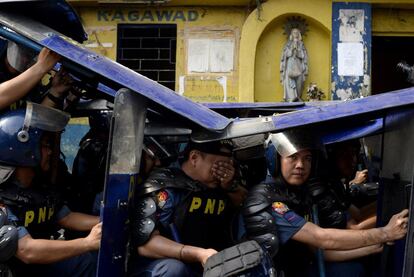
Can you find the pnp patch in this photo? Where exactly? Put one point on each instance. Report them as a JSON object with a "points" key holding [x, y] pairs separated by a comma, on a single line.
{"points": [[162, 198], [280, 208]]}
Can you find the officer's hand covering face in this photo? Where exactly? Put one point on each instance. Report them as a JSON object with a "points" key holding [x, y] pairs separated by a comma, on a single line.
{"points": [[203, 156]]}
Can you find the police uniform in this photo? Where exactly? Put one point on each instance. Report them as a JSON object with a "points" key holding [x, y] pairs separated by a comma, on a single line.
{"points": [[333, 205], [33, 210], [183, 210], [273, 213]]}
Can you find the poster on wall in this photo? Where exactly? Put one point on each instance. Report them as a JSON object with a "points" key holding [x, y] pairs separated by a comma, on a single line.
{"points": [[350, 59], [198, 55], [210, 55], [351, 27], [221, 55]]}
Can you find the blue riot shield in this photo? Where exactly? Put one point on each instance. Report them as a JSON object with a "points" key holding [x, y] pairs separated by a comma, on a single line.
{"points": [[123, 162]]}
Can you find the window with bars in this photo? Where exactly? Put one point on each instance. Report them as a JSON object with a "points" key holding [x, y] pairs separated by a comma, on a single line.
{"points": [[149, 50]]}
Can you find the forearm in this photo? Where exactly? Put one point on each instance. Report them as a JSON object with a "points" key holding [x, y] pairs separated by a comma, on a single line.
{"points": [[79, 221], [16, 88], [161, 247], [350, 239], [337, 239], [39, 251], [366, 224], [345, 255]]}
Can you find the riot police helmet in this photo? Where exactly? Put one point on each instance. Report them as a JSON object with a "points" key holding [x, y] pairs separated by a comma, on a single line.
{"points": [[290, 142], [19, 57], [21, 131]]}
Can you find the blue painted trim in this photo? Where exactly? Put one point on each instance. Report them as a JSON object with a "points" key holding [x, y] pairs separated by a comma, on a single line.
{"points": [[118, 188], [356, 109], [19, 39], [354, 84], [344, 133]]}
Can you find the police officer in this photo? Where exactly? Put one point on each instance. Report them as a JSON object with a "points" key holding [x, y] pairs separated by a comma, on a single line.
{"points": [[343, 158], [277, 213], [33, 207], [19, 76], [182, 215]]}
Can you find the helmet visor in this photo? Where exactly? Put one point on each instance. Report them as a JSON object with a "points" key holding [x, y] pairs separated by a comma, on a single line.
{"points": [[45, 118], [19, 57], [292, 141]]}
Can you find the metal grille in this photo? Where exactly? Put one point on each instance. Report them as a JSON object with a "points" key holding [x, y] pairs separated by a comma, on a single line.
{"points": [[149, 50]]}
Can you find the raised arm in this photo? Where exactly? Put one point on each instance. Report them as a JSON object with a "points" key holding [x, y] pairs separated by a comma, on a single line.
{"points": [[337, 239], [16, 88]]}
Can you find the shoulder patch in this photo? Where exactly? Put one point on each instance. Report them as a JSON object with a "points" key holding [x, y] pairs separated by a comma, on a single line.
{"points": [[162, 198], [279, 207]]}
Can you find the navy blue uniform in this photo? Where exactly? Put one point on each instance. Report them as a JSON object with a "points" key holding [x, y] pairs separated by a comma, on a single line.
{"points": [[36, 211], [188, 213], [288, 208]]}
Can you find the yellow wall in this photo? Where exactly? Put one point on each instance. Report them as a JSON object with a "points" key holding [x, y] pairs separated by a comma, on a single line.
{"points": [[392, 22], [192, 22], [259, 40], [261, 45]]}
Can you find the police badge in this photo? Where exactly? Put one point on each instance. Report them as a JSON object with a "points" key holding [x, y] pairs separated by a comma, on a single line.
{"points": [[280, 208], [162, 197]]}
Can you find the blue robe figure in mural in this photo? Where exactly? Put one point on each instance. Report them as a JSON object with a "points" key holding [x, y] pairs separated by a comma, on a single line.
{"points": [[293, 67]]}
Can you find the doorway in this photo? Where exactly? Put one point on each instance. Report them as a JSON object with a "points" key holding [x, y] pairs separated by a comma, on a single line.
{"points": [[387, 52]]}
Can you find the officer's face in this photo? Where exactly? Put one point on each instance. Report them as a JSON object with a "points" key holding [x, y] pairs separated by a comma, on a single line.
{"points": [[346, 161], [296, 168], [46, 151]]}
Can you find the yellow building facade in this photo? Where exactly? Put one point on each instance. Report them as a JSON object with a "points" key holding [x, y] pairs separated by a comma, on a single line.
{"points": [[229, 51]]}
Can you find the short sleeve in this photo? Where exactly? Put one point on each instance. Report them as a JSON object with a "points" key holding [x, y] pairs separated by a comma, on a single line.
{"points": [[12, 219], [287, 221], [166, 200], [64, 211]]}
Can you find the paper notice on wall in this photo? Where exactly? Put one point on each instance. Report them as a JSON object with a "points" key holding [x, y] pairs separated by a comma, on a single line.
{"points": [[210, 55], [221, 55], [351, 26], [198, 55], [350, 59]]}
